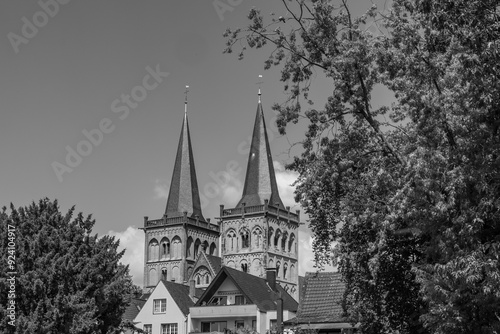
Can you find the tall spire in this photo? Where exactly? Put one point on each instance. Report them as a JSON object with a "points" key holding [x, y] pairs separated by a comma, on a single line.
{"points": [[184, 195], [260, 179]]}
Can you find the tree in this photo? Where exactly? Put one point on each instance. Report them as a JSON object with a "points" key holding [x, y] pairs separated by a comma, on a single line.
{"points": [[67, 280], [412, 203]]}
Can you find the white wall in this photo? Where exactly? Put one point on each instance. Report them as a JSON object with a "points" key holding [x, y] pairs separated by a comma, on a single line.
{"points": [[173, 314]]}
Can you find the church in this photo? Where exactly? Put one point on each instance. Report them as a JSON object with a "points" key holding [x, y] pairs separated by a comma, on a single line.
{"points": [[257, 234]]}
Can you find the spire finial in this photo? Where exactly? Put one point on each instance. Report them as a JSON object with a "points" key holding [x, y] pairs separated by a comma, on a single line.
{"points": [[186, 98], [259, 83]]}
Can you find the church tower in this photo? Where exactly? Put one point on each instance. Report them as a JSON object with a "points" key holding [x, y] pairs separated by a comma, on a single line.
{"points": [[173, 242], [260, 232]]}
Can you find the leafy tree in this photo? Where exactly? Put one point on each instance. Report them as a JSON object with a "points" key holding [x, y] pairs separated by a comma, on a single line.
{"points": [[67, 280], [413, 202]]}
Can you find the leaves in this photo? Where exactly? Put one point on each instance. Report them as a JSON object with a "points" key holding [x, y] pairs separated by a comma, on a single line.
{"points": [[67, 280], [412, 204]]}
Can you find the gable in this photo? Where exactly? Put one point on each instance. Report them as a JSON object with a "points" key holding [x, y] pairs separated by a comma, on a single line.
{"points": [[255, 289], [204, 268], [146, 314]]}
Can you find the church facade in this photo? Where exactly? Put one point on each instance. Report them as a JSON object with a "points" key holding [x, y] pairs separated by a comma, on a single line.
{"points": [[259, 233]]}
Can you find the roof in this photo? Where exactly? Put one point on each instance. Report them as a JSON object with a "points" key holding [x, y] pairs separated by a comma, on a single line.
{"points": [[180, 293], [260, 179], [183, 195], [321, 298], [215, 262], [133, 309], [255, 289]]}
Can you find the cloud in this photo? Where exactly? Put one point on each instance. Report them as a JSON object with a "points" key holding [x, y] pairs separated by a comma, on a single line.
{"points": [[306, 254], [161, 189], [132, 240], [285, 179]]}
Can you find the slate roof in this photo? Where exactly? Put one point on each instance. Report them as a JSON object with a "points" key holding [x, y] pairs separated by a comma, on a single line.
{"points": [[180, 293], [320, 300], [183, 194], [215, 262], [260, 179], [133, 309], [255, 289]]}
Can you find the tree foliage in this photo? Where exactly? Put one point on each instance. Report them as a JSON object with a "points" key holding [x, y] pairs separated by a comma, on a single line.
{"points": [[67, 280], [409, 192]]}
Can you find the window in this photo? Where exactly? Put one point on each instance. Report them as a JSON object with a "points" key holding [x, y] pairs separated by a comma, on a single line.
{"points": [[239, 324], [168, 329], [239, 300], [160, 305], [254, 324], [213, 326], [148, 329], [244, 267], [207, 279], [272, 324], [218, 301], [164, 274]]}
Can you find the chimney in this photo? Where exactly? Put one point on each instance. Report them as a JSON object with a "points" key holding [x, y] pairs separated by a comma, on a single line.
{"points": [[192, 289], [271, 278], [279, 313]]}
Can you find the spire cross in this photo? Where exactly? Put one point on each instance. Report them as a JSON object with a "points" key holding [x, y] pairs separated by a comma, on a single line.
{"points": [[186, 98], [259, 83]]}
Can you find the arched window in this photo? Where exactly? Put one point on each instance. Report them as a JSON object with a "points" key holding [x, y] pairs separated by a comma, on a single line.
{"points": [[198, 280], [277, 236], [285, 268], [244, 266], [189, 246], [197, 244], [290, 243], [213, 248], [257, 236], [153, 250], [231, 240], [152, 277], [177, 247], [245, 238], [270, 236], [165, 248], [278, 264], [205, 247], [164, 274], [283, 241], [207, 279]]}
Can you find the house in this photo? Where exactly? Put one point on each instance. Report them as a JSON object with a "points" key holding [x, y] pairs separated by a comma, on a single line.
{"points": [[236, 299], [167, 308], [320, 306]]}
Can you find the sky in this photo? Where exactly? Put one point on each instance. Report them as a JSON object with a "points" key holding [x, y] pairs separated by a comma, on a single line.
{"points": [[92, 100]]}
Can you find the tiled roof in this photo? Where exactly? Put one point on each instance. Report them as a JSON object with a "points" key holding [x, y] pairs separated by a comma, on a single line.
{"points": [[133, 309], [260, 179], [215, 262], [184, 195], [321, 298], [254, 288], [180, 293]]}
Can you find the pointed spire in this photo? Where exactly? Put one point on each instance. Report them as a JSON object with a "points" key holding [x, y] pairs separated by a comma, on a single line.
{"points": [[184, 195], [260, 179], [186, 99]]}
